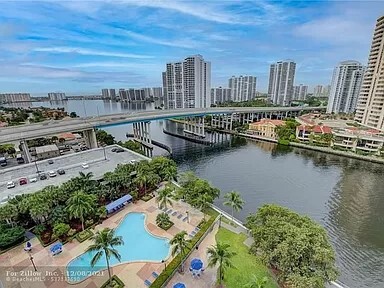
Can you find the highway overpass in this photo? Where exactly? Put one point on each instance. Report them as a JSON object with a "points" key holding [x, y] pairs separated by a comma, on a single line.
{"points": [[54, 127]]}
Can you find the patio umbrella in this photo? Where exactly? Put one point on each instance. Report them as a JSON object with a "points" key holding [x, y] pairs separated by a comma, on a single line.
{"points": [[196, 264], [179, 285], [55, 249]]}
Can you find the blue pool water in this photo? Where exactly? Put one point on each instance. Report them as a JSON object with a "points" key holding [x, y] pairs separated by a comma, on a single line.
{"points": [[139, 245]]}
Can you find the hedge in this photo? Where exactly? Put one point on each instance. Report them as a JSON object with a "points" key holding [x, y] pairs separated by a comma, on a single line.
{"points": [[175, 263], [283, 142], [10, 236], [84, 235], [116, 283]]}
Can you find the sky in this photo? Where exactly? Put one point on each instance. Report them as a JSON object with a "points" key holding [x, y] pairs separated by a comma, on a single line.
{"points": [[80, 47]]}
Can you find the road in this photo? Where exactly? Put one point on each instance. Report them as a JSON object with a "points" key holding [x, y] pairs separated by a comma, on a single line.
{"points": [[54, 127], [70, 163]]}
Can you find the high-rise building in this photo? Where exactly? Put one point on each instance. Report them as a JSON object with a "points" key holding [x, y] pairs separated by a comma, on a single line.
{"points": [[281, 78], [321, 91], [157, 92], [300, 92], [123, 94], [188, 83], [243, 88], [345, 87], [56, 96], [370, 106], [104, 93], [110, 94], [220, 95], [14, 97]]}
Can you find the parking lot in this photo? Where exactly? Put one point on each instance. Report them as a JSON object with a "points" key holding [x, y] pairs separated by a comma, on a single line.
{"points": [[72, 164]]}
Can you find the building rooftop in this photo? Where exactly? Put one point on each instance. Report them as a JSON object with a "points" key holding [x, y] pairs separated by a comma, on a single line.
{"points": [[269, 121], [46, 149]]}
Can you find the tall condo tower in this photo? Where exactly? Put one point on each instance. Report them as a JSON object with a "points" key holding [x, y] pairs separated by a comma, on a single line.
{"points": [[243, 88], [370, 104], [188, 83], [281, 78], [345, 87]]}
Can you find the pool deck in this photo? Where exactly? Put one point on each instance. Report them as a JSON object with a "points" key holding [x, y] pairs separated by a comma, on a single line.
{"points": [[16, 269]]}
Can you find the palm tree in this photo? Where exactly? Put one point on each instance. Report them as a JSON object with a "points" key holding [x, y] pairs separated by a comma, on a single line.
{"points": [[80, 205], [164, 197], [162, 219], [104, 242], [257, 282], [234, 200], [180, 244], [219, 254], [203, 201]]}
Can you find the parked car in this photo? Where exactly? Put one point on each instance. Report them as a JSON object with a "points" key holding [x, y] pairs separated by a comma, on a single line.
{"points": [[114, 149], [23, 181], [85, 165], [50, 161], [43, 176], [52, 174], [119, 150], [10, 184], [32, 180], [61, 171]]}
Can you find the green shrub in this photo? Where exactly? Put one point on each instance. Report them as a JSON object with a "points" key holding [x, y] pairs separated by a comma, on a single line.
{"points": [[61, 229], [84, 235], [88, 222], [283, 142], [116, 283], [39, 229], [10, 235]]}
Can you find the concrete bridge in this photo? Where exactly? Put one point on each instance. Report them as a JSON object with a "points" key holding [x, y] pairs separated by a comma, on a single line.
{"points": [[221, 117]]}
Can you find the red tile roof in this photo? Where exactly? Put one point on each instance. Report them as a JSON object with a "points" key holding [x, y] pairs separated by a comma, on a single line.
{"points": [[316, 129], [266, 121]]}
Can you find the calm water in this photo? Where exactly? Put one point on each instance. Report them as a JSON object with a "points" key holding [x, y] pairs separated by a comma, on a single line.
{"points": [[344, 195], [142, 247]]}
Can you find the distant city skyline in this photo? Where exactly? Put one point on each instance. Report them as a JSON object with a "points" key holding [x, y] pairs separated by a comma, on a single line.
{"points": [[127, 43]]}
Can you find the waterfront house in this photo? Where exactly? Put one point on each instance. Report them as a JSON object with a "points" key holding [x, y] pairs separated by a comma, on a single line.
{"points": [[265, 128], [311, 133]]}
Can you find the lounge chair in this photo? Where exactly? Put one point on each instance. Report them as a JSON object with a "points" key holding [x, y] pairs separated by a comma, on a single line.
{"points": [[197, 229], [193, 233], [164, 209], [190, 235], [174, 213], [154, 274], [147, 282], [179, 216], [185, 218], [169, 211]]}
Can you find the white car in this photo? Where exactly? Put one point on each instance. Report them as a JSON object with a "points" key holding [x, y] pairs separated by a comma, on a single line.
{"points": [[85, 165], [32, 180], [52, 174], [10, 184]]}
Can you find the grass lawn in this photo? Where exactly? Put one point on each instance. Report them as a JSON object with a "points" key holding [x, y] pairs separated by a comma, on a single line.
{"points": [[246, 264]]}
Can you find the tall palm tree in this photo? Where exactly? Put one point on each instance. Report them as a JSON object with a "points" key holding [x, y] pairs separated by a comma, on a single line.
{"points": [[80, 205], [257, 282], [104, 242], [234, 200], [180, 244], [219, 254], [203, 201], [164, 197]]}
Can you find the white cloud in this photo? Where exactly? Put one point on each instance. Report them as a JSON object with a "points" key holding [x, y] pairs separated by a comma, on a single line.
{"points": [[83, 51], [183, 43]]}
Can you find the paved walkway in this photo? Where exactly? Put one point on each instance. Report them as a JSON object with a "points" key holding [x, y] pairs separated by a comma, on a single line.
{"points": [[207, 279], [16, 269]]}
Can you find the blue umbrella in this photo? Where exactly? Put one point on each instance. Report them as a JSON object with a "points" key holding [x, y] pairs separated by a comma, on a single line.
{"points": [[179, 285], [57, 247], [196, 264]]}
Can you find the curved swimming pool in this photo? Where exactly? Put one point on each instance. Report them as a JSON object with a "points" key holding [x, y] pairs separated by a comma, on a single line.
{"points": [[139, 245]]}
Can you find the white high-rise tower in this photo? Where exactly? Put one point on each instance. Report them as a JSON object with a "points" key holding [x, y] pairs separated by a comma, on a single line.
{"points": [[281, 78], [188, 83], [345, 87]]}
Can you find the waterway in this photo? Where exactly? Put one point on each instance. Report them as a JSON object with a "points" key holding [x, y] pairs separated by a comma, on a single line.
{"points": [[345, 195]]}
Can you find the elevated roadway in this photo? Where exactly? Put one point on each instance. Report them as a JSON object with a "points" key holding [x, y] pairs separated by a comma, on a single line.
{"points": [[54, 127]]}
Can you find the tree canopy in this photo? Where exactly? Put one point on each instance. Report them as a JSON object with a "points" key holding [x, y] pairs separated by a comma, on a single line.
{"points": [[295, 245]]}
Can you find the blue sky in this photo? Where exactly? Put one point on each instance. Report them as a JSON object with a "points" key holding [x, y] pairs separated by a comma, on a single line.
{"points": [[83, 46]]}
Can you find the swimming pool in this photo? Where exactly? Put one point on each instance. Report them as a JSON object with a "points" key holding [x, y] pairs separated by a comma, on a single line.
{"points": [[139, 245]]}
